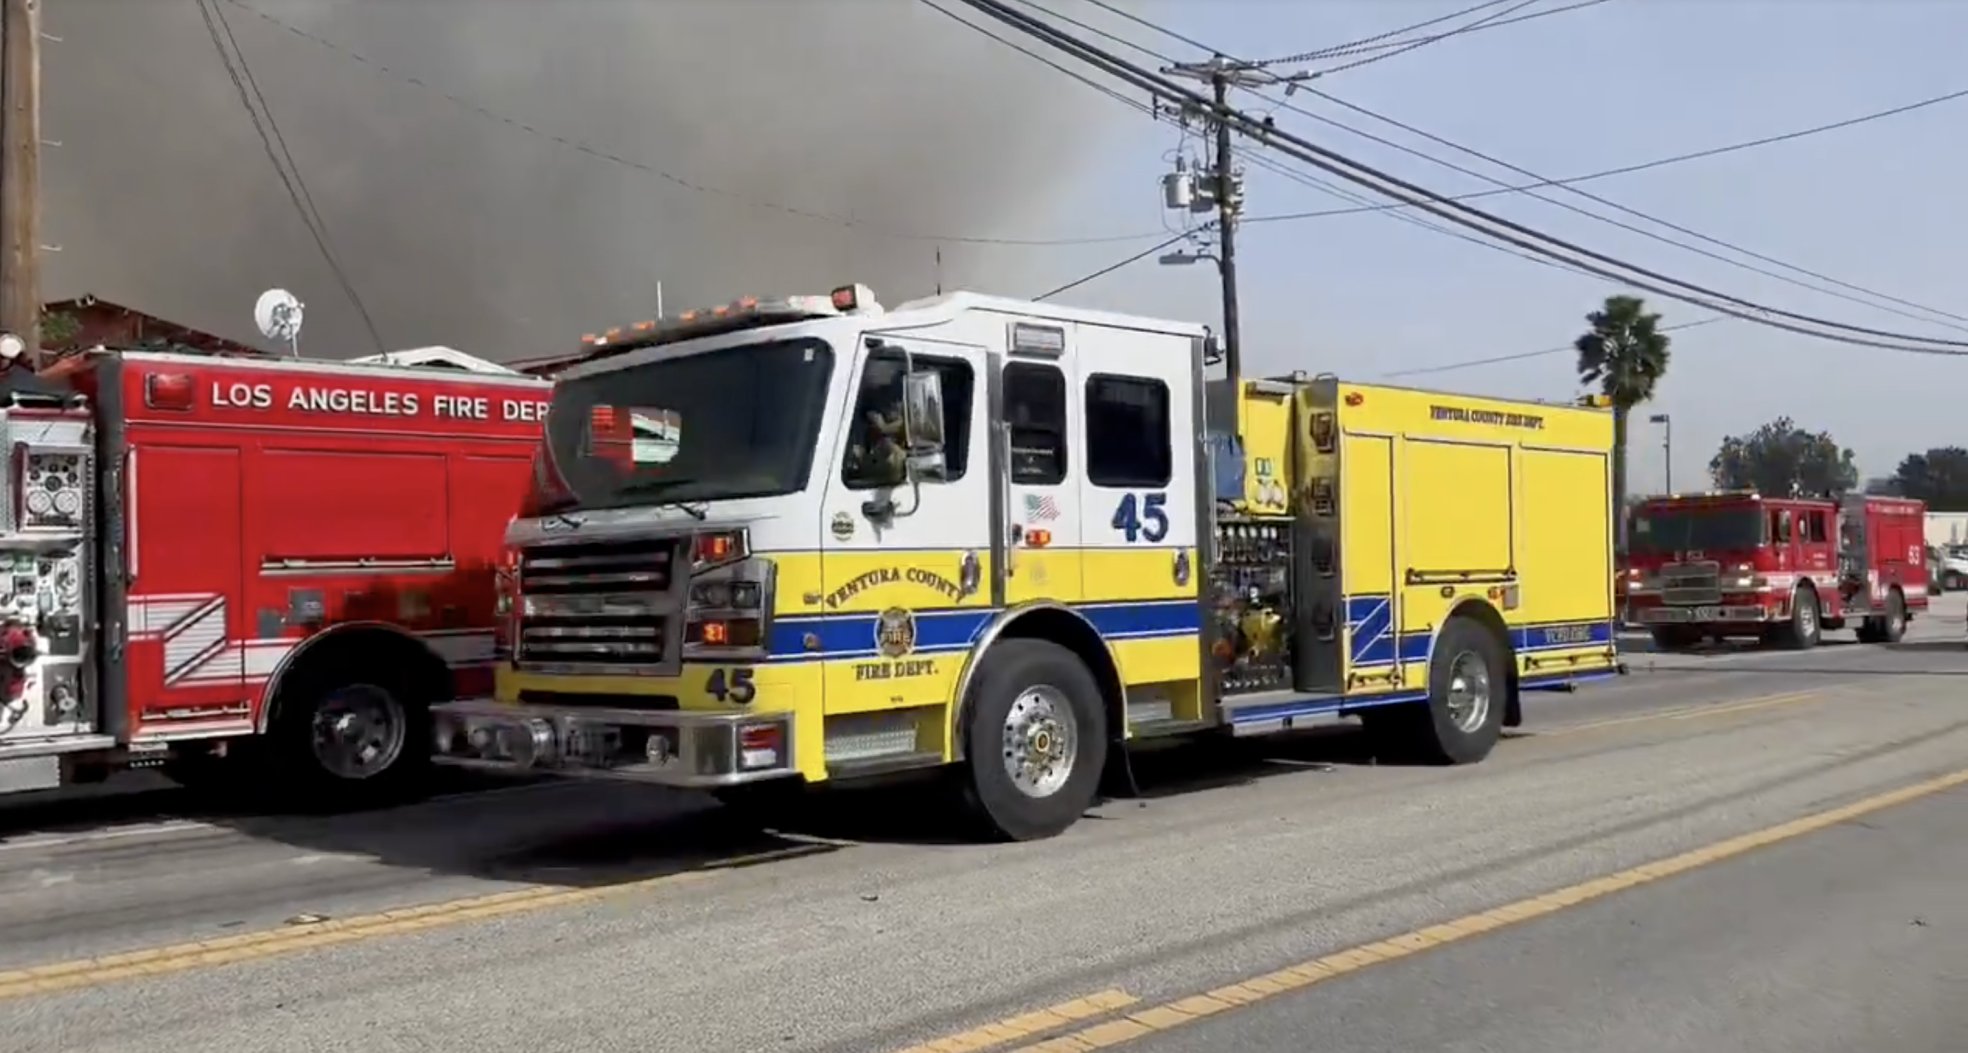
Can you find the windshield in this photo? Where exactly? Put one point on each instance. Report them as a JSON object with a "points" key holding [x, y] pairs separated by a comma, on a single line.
{"points": [[736, 422], [1658, 531]]}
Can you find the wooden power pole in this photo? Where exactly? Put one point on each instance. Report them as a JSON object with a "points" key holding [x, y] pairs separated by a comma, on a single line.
{"points": [[20, 172]]}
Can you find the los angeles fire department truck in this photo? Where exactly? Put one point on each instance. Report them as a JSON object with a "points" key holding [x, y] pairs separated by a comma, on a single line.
{"points": [[243, 565], [1718, 565], [801, 540]]}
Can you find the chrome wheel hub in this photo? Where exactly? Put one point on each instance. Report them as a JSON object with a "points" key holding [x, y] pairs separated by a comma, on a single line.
{"points": [[1469, 691], [1041, 741]]}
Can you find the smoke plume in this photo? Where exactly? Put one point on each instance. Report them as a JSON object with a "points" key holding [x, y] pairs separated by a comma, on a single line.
{"points": [[549, 166]]}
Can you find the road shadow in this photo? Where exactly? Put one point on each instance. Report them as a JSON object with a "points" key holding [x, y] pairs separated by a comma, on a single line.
{"points": [[582, 833]]}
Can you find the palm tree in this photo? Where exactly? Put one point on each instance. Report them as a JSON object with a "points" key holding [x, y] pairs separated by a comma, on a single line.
{"points": [[1624, 355]]}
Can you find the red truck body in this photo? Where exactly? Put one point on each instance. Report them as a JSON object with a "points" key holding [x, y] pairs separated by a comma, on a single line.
{"points": [[272, 559], [1785, 569]]}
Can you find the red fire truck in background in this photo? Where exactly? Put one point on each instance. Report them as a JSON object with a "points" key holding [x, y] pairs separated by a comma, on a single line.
{"points": [[258, 567], [1710, 566]]}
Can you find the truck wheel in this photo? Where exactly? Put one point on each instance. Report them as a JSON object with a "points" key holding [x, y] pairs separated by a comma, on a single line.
{"points": [[763, 804], [1893, 624], [357, 743], [1676, 638], [1467, 681], [1804, 629], [1037, 740]]}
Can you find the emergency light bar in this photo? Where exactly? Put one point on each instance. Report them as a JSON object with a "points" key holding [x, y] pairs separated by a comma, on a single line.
{"points": [[748, 313]]}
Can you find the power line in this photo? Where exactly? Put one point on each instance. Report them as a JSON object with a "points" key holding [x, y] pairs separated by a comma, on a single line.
{"points": [[1645, 166], [1439, 205], [1118, 264], [1354, 46], [1286, 104], [1589, 214], [1402, 49], [597, 153], [1383, 41], [1472, 363], [241, 74]]}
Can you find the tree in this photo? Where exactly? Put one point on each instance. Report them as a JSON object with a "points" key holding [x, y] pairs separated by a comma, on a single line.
{"points": [[1624, 355], [1938, 477], [1781, 458]]}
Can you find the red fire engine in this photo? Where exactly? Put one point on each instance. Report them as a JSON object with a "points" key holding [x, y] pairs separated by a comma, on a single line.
{"points": [[1784, 569], [249, 565]]}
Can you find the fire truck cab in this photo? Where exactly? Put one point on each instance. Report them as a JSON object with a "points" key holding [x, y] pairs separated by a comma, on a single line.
{"points": [[245, 566], [1784, 569]]}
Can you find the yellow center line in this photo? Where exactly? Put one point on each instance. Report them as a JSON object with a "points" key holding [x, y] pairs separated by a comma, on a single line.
{"points": [[1026, 1025], [266, 943], [1694, 712], [1170, 1015]]}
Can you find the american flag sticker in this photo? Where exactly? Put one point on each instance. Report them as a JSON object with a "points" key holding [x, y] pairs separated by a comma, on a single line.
{"points": [[1041, 508]]}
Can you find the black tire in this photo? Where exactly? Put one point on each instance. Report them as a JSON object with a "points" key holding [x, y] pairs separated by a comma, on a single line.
{"points": [[1676, 638], [1893, 624], [387, 765], [1468, 688], [1013, 672], [1806, 626], [764, 804]]}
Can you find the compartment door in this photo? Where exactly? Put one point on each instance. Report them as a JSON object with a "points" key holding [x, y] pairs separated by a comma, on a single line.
{"points": [[186, 634], [1458, 533]]}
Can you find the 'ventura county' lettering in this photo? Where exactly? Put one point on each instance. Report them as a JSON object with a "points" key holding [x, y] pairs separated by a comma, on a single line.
{"points": [[373, 402], [883, 576], [1468, 415]]}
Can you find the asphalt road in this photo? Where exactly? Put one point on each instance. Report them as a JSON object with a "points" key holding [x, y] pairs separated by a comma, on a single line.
{"points": [[1517, 904]]}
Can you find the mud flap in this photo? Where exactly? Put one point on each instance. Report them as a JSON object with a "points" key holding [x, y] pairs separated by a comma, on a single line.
{"points": [[1117, 780]]}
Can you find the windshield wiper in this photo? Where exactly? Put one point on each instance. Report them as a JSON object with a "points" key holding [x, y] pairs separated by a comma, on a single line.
{"points": [[692, 509]]}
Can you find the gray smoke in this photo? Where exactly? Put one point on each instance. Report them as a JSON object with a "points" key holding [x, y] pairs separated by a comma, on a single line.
{"points": [[469, 230]]}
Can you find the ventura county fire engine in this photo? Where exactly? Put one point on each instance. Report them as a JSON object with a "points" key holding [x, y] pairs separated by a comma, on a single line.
{"points": [[1709, 566], [802, 540], [250, 566]]}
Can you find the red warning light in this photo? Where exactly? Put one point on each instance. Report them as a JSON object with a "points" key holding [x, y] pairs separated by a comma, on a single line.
{"points": [[169, 391], [1354, 398]]}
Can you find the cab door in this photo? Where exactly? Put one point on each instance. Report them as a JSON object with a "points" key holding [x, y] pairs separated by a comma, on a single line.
{"points": [[1041, 510], [1137, 395], [904, 566]]}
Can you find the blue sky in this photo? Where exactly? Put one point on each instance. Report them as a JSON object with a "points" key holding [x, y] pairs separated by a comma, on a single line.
{"points": [[1619, 83], [501, 179]]}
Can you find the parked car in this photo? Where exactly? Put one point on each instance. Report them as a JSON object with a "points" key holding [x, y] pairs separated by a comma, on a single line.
{"points": [[1954, 568]]}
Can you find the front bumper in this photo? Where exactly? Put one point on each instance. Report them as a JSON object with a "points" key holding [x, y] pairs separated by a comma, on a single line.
{"points": [[682, 748], [1726, 613]]}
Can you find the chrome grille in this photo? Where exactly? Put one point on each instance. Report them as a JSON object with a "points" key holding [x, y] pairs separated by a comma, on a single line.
{"points": [[599, 607], [1689, 584]]}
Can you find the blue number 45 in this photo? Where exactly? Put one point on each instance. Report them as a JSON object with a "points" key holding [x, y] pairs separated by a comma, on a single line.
{"points": [[1142, 518]]}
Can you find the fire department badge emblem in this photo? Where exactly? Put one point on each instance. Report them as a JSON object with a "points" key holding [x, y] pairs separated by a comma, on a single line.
{"points": [[895, 632]]}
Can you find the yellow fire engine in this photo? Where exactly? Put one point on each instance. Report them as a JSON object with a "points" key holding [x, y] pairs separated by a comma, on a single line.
{"points": [[800, 540]]}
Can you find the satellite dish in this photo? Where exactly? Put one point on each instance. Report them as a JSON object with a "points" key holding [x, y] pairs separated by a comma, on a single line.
{"points": [[278, 314]]}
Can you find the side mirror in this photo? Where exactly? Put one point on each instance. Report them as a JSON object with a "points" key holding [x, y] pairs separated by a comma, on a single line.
{"points": [[922, 422]]}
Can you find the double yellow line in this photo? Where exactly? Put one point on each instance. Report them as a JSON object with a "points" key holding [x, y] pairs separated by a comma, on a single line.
{"points": [[1118, 1027]]}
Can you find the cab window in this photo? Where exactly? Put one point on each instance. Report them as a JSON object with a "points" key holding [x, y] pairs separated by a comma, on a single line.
{"points": [[1035, 413], [1127, 426], [1780, 532], [875, 451], [1814, 527]]}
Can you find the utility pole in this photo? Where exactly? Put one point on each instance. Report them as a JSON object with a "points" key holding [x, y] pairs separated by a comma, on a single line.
{"points": [[1667, 449], [20, 172], [1222, 187]]}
